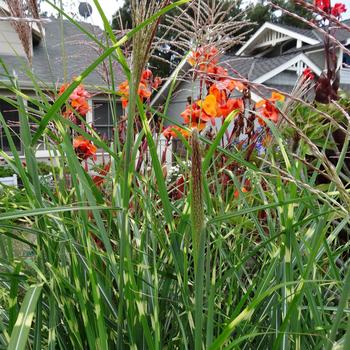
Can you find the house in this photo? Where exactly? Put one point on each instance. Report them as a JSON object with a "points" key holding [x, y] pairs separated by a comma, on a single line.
{"points": [[276, 55], [59, 53]]}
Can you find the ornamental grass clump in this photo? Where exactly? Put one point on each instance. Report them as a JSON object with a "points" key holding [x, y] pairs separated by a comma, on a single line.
{"points": [[240, 241]]}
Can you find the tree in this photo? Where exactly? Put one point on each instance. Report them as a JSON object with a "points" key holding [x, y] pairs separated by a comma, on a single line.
{"points": [[122, 19], [261, 13], [292, 7]]}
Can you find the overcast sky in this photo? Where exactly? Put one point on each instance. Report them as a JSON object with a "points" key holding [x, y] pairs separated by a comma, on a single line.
{"points": [[110, 7]]}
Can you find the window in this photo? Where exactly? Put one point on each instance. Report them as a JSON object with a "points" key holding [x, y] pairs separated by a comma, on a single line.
{"points": [[11, 117], [346, 60], [35, 112], [103, 118]]}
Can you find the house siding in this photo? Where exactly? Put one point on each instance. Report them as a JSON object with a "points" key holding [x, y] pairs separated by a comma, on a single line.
{"points": [[9, 41], [345, 76], [179, 99], [287, 78], [317, 58]]}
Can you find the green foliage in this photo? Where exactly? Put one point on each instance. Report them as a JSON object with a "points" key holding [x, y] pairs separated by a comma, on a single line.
{"points": [[261, 12], [5, 171], [116, 268]]}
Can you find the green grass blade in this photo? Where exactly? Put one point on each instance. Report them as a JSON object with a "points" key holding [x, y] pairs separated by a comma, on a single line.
{"points": [[20, 333]]}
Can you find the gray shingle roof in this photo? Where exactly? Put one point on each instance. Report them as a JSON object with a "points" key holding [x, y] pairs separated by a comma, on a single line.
{"points": [[307, 32], [254, 67], [343, 34], [54, 64], [340, 34]]}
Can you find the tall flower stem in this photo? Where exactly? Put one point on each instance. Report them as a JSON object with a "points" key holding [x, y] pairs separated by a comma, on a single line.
{"points": [[198, 235]]}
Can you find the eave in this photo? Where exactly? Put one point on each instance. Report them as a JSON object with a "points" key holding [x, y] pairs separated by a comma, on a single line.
{"points": [[286, 35]]}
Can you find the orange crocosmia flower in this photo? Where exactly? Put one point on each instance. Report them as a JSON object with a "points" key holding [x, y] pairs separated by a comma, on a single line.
{"points": [[260, 104], [186, 134], [169, 132], [230, 84], [227, 84], [78, 101], [143, 91], [209, 105], [176, 130], [220, 72], [79, 92], [271, 112], [268, 111], [191, 60], [219, 94], [200, 126], [275, 96], [63, 88], [239, 86], [205, 58], [124, 88], [81, 105], [84, 148], [230, 106], [212, 54], [194, 114]]}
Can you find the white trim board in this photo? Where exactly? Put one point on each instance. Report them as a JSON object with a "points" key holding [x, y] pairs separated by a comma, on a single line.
{"points": [[276, 28], [281, 68], [171, 79]]}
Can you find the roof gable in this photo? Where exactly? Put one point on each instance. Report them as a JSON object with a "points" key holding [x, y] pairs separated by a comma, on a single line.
{"points": [[271, 34], [64, 54]]}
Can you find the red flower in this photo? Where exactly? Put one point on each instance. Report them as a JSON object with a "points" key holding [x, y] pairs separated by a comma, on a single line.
{"points": [[84, 148], [323, 5], [157, 82], [308, 74], [146, 75], [338, 9], [270, 112]]}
